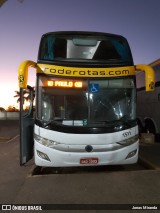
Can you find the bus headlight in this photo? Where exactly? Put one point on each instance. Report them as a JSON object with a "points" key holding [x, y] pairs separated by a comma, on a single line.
{"points": [[45, 141], [129, 141]]}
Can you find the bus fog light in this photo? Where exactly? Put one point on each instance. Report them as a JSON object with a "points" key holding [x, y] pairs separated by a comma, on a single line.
{"points": [[43, 155], [131, 154]]}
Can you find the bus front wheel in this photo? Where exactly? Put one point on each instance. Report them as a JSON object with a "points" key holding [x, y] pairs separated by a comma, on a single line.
{"points": [[150, 127]]}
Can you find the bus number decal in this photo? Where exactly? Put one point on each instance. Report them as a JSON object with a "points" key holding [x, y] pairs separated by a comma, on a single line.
{"points": [[126, 134]]}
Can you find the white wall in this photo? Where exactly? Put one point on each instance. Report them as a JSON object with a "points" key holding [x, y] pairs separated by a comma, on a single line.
{"points": [[9, 115]]}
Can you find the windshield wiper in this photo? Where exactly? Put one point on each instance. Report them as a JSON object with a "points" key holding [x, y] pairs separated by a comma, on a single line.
{"points": [[52, 121], [123, 120]]}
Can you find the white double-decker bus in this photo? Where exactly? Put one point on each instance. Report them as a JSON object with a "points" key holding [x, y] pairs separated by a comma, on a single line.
{"points": [[85, 112]]}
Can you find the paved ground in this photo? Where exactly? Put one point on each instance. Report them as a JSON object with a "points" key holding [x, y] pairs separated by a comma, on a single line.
{"points": [[18, 186], [8, 129], [150, 155]]}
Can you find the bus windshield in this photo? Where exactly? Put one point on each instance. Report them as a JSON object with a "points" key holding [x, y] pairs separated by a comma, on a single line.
{"points": [[86, 102], [80, 48]]}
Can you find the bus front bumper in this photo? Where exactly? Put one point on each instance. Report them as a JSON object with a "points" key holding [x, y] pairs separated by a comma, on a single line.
{"points": [[50, 157]]}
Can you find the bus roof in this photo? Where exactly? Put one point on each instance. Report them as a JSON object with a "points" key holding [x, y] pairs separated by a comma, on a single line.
{"points": [[84, 33]]}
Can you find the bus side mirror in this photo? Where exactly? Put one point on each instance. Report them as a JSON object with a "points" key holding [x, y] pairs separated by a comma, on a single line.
{"points": [[23, 73], [149, 76]]}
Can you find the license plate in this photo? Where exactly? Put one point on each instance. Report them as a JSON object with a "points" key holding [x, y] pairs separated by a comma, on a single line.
{"points": [[89, 161]]}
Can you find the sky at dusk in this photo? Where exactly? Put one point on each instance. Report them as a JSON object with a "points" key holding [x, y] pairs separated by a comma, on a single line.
{"points": [[22, 25]]}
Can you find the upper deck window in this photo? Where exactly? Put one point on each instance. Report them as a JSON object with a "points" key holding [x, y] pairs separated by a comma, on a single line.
{"points": [[81, 48]]}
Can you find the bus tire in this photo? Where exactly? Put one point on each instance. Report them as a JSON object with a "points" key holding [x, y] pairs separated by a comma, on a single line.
{"points": [[150, 127]]}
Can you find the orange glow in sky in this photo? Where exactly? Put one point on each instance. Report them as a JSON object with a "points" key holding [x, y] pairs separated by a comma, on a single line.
{"points": [[6, 97], [7, 93], [8, 88]]}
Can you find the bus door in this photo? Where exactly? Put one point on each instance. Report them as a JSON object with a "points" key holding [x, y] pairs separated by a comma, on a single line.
{"points": [[26, 124]]}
